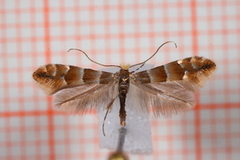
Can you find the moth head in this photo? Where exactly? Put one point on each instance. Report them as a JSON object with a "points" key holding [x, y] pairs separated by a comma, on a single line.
{"points": [[124, 66]]}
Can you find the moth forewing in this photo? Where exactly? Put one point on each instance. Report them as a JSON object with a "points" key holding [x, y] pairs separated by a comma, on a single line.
{"points": [[75, 89], [49, 77], [170, 88], [199, 71]]}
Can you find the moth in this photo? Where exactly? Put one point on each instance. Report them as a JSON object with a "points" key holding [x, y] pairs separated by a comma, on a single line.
{"points": [[166, 89]]}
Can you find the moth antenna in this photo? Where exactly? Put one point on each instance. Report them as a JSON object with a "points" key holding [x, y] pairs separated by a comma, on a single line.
{"points": [[91, 59], [142, 63], [137, 68]]}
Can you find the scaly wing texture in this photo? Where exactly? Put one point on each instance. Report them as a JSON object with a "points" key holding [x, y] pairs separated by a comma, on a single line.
{"points": [[170, 88], [83, 98], [75, 89], [166, 98]]}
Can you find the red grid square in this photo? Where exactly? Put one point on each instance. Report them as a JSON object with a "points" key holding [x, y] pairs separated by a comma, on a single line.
{"points": [[34, 33]]}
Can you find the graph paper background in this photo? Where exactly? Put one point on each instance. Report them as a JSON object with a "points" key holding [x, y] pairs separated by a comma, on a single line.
{"points": [[34, 33]]}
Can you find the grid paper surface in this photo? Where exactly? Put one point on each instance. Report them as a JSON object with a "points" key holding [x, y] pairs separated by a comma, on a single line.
{"points": [[34, 33]]}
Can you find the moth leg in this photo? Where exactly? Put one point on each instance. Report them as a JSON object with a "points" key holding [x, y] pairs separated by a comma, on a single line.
{"points": [[109, 107]]}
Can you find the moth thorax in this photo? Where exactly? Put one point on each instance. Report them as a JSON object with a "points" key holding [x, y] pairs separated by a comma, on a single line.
{"points": [[123, 81]]}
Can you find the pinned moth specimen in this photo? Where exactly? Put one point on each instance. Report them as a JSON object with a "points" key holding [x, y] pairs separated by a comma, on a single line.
{"points": [[167, 89]]}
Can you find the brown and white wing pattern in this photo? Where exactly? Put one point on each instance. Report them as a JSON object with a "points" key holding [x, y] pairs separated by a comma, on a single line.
{"points": [[75, 89], [170, 88]]}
